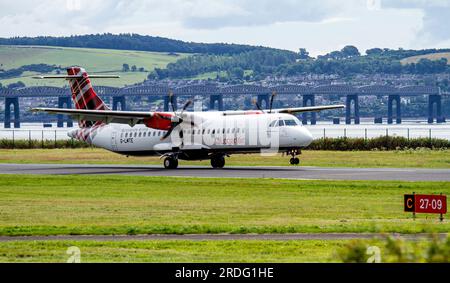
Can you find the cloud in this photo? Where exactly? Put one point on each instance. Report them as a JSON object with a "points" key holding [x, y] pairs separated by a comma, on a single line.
{"points": [[435, 21], [264, 12], [318, 25]]}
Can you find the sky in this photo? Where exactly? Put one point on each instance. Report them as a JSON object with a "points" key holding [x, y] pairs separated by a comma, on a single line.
{"points": [[320, 26]]}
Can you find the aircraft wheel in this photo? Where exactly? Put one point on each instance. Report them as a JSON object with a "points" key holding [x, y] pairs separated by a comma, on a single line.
{"points": [[218, 162], [294, 161], [170, 163]]}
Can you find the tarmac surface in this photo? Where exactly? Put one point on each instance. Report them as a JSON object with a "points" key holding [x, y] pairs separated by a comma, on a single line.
{"points": [[298, 172], [220, 237]]}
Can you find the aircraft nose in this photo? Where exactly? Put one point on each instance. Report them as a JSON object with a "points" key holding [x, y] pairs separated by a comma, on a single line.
{"points": [[72, 134], [306, 137]]}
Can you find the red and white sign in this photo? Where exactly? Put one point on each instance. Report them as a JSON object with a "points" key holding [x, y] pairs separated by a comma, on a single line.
{"points": [[430, 204]]}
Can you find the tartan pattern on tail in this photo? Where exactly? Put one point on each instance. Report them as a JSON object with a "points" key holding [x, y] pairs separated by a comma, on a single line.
{"points": [[84, 96]]}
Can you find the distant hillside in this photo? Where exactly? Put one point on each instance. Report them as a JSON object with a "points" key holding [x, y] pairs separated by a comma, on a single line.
{"points": [[16, 59], [433, 57], [134, 42]]}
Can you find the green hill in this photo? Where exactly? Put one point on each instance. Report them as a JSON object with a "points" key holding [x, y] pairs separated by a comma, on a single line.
{"points": [[93, 60], [432, 56]]}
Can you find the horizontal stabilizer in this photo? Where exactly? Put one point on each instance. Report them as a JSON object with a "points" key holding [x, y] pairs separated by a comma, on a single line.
{"points": [[77, 76]]}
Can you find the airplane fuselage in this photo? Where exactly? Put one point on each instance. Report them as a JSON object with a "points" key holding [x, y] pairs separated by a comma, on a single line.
{"points": [[213, 133]]}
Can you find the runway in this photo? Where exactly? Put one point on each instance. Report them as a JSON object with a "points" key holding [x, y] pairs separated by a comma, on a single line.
{"points": [[220, 237], [311, 173]]}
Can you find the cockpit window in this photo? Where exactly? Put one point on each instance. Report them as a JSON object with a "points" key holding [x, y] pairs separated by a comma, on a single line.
{"points": [[290, 122], [274, 123], [280, 123]]}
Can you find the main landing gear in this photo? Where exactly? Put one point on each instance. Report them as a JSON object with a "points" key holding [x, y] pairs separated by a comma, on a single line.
{"points": [[294, 160], [218, 161], [171, 162]]}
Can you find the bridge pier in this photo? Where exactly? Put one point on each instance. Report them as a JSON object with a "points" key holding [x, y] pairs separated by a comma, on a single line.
{"points": [[166, 103], [348, 111], [67, 102], [263, 98], [309, 99], [212, 102], [391, 99], [15, 102], [435, 99], [119, 100]]}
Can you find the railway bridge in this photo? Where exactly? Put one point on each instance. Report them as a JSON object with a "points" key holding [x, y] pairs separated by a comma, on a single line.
{"points": [[215, 95]]}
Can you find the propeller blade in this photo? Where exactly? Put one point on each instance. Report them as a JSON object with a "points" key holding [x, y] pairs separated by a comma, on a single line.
{"points": [[186, 105], [271, 100], [169, 132], [171, 101], [257, 104]]}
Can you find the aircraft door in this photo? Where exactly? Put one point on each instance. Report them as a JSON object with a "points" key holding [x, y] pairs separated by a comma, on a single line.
{"points": [[114, 137]]}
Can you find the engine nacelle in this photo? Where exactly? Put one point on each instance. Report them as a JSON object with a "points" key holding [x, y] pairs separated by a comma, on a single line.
{"points": [[156, 122]]}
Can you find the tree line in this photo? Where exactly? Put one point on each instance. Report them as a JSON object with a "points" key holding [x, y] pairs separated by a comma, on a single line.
{"points": [[133, 42], [39, 68], [345, 62]]}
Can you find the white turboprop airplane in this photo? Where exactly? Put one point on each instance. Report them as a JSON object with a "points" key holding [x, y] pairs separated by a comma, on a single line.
{"points": [[182, 135]]}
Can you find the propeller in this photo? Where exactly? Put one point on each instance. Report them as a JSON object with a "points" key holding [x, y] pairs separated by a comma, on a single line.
{"points": [[176, 119], [257, 105], [271, 100]]}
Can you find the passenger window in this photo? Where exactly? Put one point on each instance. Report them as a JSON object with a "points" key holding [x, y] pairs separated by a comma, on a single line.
{"points": [[140, 134], [159, 133], [154, 133], [126, 135], [213, 131]]}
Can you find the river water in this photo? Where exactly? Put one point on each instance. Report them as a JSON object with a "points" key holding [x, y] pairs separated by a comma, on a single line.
{"points": [[411, 129]]}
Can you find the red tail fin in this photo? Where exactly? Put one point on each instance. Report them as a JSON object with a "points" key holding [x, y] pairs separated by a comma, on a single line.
{"points": [[83, 95]]}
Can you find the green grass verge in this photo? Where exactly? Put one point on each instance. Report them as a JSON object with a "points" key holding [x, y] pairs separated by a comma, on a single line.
{"points": [[423, 158], [173, 251], [93, 60], [52, 205], [391, 250]]}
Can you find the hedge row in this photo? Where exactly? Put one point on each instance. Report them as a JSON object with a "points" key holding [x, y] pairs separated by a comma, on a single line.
{"points": [[380, 143], [49, 144], [341, 144]]}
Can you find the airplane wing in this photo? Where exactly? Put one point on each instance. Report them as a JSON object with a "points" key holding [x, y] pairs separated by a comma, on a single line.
{"points": [[108, 116], [307, 109], [285, 110]]}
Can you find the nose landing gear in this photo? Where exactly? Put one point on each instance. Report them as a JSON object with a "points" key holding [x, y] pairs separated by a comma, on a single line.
{"points": [[294, 160]]}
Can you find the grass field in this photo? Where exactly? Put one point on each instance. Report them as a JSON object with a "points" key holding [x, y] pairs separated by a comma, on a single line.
{"points": [[173, 251], [224, 251], [433, 56], [93, 60], [401, 159], [52, 205]]}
